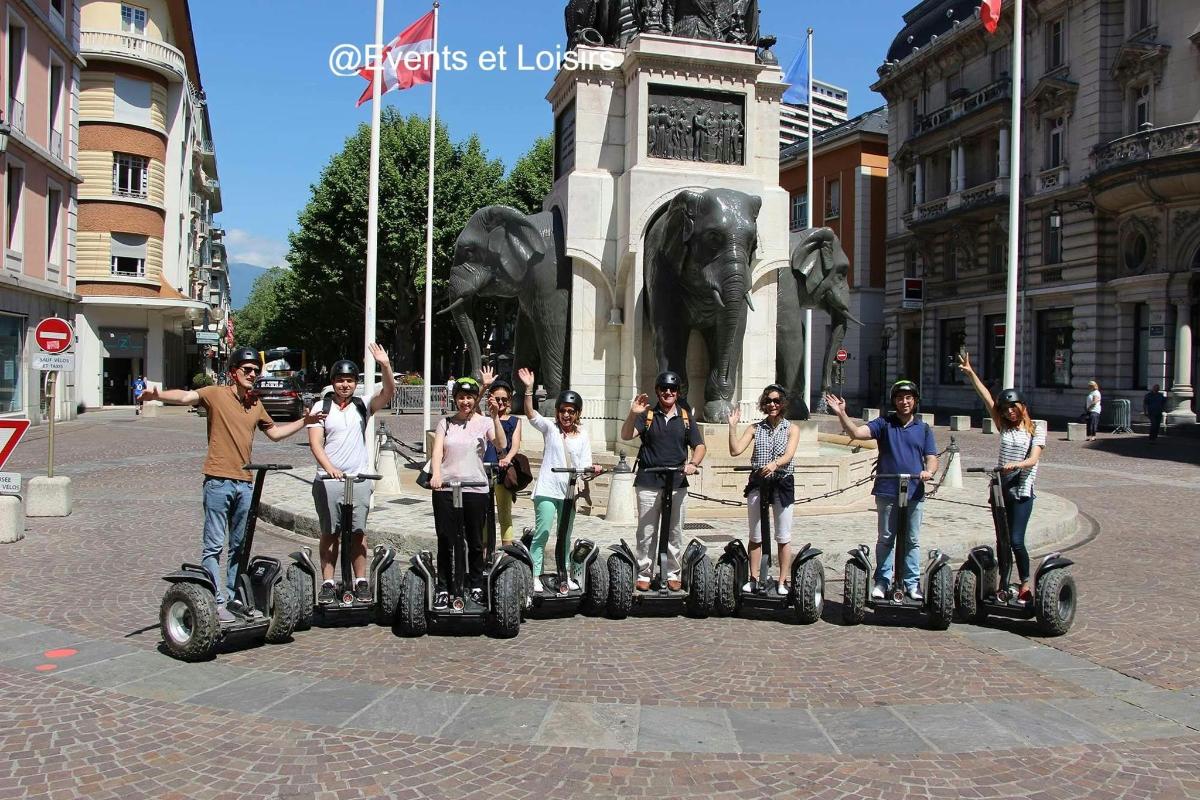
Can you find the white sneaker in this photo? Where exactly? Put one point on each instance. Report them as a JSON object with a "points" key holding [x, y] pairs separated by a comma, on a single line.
{"points": [[749, 586], [572, 585], [915, 593], [877, 592], [537, 585], [782, 588]]}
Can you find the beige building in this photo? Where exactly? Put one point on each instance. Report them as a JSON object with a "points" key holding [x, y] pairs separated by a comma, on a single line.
{"points": [[153, 297], [1110, 230], [830, 108], [40, 41]]}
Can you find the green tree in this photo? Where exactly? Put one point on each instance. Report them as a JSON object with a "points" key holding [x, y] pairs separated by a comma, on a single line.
{"points": [[532, 177], [253, 323]]}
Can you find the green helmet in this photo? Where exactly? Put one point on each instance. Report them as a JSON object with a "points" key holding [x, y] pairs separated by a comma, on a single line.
{"points": [[905, 385]]}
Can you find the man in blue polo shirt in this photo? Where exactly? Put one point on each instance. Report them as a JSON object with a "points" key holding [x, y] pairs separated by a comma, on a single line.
{"points": [[905, 446]]}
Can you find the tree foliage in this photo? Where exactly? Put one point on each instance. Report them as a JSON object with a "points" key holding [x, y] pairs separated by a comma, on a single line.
{"points": [[252, 324], [532, 177]]}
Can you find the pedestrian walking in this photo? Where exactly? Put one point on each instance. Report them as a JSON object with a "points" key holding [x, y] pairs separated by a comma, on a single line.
{"points": [[1153, 405], [139, 386], [1092, 409]]}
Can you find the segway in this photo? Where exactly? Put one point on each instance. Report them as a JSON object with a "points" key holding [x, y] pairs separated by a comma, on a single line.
{"points": [[805, 596], [263, 602], [500, 609], [583, 564], [981, 586], [696, 575], [304, 575], [936, 579]]}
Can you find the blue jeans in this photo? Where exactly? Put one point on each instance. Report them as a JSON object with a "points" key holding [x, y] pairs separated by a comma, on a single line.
{"points": [[888, 509], [226, 508], [1018, 511]]}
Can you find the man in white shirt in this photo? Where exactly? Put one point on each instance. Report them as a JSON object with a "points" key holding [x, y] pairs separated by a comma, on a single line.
{"points": [[339, 445]]}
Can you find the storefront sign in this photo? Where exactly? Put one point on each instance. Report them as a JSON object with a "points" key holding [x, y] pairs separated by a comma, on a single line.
{"points": [[914, 293]]}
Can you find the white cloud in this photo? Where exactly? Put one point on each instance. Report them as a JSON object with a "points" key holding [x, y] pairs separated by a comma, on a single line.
{"points": [[260, 251]]}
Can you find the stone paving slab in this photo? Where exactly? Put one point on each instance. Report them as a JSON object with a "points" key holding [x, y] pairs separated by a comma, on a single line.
{"points": [[1042, 724], [410, 711], [687, 730], [122, 670], [959, 728], [606, 726], [1120, 719], [327, 702], [1182, 707], [87, 652], [253, 691], [497, 719], [779, 731], [870, 730]]}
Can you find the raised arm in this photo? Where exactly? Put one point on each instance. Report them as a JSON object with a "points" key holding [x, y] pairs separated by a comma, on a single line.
{"points": [[526, 376], [637, 408], [499, 437], [175, 397], [738, 445], [838, 406], [383, 398], [964, 366]]}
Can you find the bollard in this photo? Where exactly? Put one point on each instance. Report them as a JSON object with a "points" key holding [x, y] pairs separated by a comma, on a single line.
{"points": [[48, 497], [988, 426], [870, 414], [622, 499], [12, 519], [1076, 432], [926, 417], [953, 477], [960, 423]]}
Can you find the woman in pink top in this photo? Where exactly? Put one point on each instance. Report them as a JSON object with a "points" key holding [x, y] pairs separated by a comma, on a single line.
{"points": [[458, 448]]}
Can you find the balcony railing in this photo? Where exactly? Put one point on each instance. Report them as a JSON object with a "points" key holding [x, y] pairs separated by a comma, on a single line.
{"points": [[206, 148], [16, 114], [1156, 143], [1054, 178], [197, 203], [56, 144], [133, 47], [960, 201], [963, 106]]}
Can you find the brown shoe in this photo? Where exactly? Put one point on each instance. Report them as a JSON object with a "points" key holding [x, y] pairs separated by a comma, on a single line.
{"points": [[643, 584], [674, 585]]}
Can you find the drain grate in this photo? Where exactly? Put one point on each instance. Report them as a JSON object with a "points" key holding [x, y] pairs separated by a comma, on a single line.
{"points": [[406, 501], [697, 526]]}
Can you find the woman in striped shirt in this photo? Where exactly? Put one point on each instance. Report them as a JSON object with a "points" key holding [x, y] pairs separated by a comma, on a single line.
{"points": [[1021, 446]]}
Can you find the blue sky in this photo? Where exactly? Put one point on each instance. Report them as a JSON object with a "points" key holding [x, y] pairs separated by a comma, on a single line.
{"points": [[279, 112]]}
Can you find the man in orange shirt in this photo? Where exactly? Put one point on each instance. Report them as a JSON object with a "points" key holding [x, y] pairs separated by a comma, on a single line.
{"points": [[233, 415]]}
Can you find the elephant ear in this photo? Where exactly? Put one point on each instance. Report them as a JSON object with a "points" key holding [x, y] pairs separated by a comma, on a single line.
{"points": [[513, 243], [813, 258], [667, 238]]}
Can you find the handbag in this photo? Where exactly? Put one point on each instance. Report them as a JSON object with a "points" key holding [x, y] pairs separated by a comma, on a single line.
{"points": [[425, 476]]}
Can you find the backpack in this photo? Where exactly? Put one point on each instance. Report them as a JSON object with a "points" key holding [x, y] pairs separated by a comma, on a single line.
{"points": [[364, 415], [683, 412]]}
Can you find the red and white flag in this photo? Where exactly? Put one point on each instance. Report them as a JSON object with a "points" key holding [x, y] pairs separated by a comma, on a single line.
{"points": [[989, 14], [405, 61]]}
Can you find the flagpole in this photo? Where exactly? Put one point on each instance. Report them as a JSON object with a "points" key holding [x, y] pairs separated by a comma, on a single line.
{"points": [[428, 399], [808, 314], [372, 231], [1014, 203]]}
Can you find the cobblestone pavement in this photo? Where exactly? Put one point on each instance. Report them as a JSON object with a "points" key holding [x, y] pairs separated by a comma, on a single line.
{"points": [[650, 706]]}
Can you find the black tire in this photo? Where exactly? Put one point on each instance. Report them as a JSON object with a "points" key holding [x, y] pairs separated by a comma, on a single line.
{"points": [[809, 586], [188, 619], [389, 595], [410, 619], [941, 599], [854, 594], [1055, 601], [302, 590], [620, 587], [595, 599], [505, 620], [702, 590], [725, 593], [966, 596], [525, 575], [284, 612]]}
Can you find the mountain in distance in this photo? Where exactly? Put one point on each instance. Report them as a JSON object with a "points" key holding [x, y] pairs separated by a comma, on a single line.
{"points": [[241, 280]]}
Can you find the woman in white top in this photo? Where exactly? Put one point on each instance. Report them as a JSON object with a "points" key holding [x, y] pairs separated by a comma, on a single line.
{"points": [[1092, 404], [1021, 446], [566, 445]]}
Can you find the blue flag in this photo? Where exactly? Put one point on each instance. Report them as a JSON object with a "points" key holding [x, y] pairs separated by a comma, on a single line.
{"points": [[797, 79]]}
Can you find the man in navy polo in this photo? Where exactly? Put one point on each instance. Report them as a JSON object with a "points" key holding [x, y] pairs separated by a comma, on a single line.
{"points": [[905, 446]]}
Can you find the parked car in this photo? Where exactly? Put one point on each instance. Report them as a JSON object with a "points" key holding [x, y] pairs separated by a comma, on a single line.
{"points": [[283, 397]]}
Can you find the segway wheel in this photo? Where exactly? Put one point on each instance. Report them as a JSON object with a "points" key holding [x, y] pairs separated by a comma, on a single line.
{"points": [[966, 596], [620, 587], [704, 587], [505, 620], [389, 595], [302, 588], [188, 617], [284, 613], [854, 594], [941, 599], [725, 593], [410, 617], [809, 586], [1054, 602], [526, 585], [595, 599]]}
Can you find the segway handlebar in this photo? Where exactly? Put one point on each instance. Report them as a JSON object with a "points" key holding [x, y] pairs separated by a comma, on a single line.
{"points": [[257, 467], [360, 477], [898, 475], [465, 484], [663, 469], [580, 470]]}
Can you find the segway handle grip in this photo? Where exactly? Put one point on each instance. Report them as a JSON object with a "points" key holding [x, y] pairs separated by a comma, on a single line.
{"points": [[897, 475], [978, 469], [363, 476], [467, 484], [257, 467], [663, 469]]}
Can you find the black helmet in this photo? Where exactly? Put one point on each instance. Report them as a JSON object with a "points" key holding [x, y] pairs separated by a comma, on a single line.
{"points": [[344, 367], [500, 383], [244, 355], [569, 398], [1009, 397], [667, 380], [905, 385], [468, 385]]}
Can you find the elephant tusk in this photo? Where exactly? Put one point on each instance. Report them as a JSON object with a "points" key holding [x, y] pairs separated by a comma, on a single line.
{"points": [[749, 302], [852, 318], [717, 297], [452, 306]]}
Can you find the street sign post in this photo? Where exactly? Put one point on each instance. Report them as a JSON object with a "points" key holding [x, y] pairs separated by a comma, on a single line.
{"points": [[842, 355], [53, 363], [56, 338], [54, 335]]}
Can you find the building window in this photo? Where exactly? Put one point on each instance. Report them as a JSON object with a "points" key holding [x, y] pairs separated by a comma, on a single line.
{"points": [[997, 255], [914, 114], [1056, 51], [15, 115], [59, 6], [133, 19], [129, 175], [1051, 239], [1055, 136], [954, 84], [131, 101], [12, 330], [1139, 102], [128, 255], [54, 200], [953, 340], [833, 199], [993, 348], [14, 238], [57, 74], [799, 211], [911, 178], [1141, 346], [951, 263], [1055, 333], [1001, 63], [1142, 15]]}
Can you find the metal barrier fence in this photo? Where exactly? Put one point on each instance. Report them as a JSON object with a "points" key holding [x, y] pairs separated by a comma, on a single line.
{"points": [[412, 399], [1122, 420]]}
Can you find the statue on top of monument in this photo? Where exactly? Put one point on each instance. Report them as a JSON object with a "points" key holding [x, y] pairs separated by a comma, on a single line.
{"points": [[613, 23]]}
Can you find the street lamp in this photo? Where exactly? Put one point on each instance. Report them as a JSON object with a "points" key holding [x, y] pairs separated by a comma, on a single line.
{"points": [[5, 130]]}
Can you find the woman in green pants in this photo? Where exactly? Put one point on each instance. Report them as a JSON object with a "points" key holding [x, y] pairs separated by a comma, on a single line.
{"points": [[566, 445]]}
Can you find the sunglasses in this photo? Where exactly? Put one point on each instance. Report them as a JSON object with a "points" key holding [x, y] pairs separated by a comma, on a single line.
{"points": [[773, 401], [250, 370], [667, 390], [501, 399], [567, 411]]}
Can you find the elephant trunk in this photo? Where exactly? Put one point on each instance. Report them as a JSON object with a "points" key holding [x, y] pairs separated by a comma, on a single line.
{"points": [[465, 282], [734, 296], [466, 329]]}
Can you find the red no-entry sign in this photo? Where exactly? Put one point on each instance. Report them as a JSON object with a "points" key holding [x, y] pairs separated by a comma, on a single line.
{"points": [[54, 335], [842, 355]]}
